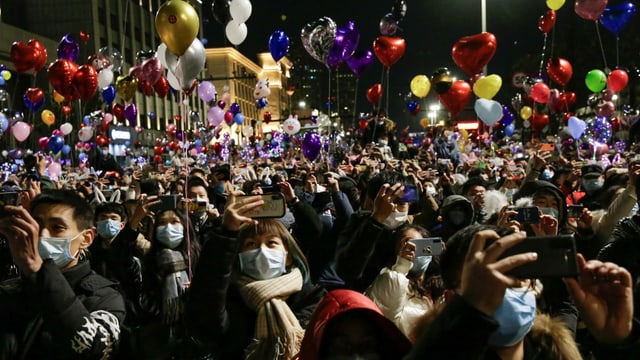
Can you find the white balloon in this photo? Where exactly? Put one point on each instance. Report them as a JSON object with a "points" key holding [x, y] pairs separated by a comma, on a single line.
{"points": [[240, 10], [236, 32], [291, 126], [247, 131], [86, 133], [66, 128], [105, 78], [160, 54]]}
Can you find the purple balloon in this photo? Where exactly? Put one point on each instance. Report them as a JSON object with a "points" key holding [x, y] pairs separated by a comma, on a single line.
{"points": [[131, 114], [344, 45], [507, 116], [311, 146], [360, 61], [234, 108], [68, 48], [16, 153]]}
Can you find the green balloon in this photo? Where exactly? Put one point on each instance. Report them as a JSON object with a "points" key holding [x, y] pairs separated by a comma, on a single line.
{"points": [[596, 80]]}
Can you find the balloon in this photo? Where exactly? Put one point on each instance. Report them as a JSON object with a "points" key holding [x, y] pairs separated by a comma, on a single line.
{"points": [[374, 94], [109, 94], [526, 112], [4, 122], [547, 21], [48, 117], [240, 10], [606, 109], [102, 140], [66, 149], [61, 73], [457, 97], [188, 66], [236, 32], [228, 117], [57, 97], [126, 86], [559, 70], [344, 45], [472, 53], [206, 91], [413, 107], [563, 102], [220, 9], [85, 81], [539, 121], [510, 129], [388, 25], [234, 108], [360, 61], [596, 80], [20, 131], [576, 127], [317, 38], [238, 118], [55, 169], [56, 143], [177, 24], [151, 70], [32, 55], [131, 113], [507, 116], [262, 89], [215, 116], [441, 80], [278, 45], [615, 17], [66, 129], [399, 10], [311, 145], [555, 4], [68, 48], [105, 78], [590, 9], [161, 87], [617, 80], [488, 86], [388, 49], [540, 93], [43, 142], [33, 98], [489, 111], [291, 126], [420, 86]]}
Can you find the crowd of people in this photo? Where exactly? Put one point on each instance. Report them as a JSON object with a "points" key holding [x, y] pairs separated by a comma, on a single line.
{"points": [[170, 261]]}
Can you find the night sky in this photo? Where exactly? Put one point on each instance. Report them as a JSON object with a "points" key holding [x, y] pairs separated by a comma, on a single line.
{"points": [[430, 29]]}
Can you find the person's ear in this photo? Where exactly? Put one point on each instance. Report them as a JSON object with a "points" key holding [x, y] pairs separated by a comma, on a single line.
{"points": [[87, 238], [122, 224]]}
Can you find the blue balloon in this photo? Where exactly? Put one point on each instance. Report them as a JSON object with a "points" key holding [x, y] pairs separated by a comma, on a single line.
{"points": [[239, 119], [109, 94], [4, 122], [2, 81], [278, 44], [127, 143], [261, 103], [510, 129], [151, 115], [66, 149], [56, 143], [507, 116], [87, 120], [615, 17], [83, 157], [204, 41], [412, 106]]}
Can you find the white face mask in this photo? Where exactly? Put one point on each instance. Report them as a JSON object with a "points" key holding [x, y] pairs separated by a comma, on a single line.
{"points": [[263, 263], [431, 190], [57, 249], [170, 235], [395, 220]]}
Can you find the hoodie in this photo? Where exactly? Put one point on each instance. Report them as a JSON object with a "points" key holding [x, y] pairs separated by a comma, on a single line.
{"points": [[447, 228], [528, 189], [339, 302]]}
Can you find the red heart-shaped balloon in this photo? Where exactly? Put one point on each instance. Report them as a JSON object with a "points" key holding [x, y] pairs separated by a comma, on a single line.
{"points": [[61, 73], [266, 117], [539, 121], [85, 81], [565, 101], [374, 93], [35, 95], [472, 53], [389, 49], [362, 124], [145, 87], [559, 70], [547, 21], [22, 56], [39, 53], [84, 36], [457, 97], [161, 87], [117, 110]]}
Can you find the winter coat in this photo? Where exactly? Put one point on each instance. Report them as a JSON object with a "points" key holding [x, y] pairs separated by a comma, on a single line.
{"points": [[53, 314]]}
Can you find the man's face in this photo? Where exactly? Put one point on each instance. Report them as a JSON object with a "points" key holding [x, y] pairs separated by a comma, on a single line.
{"points": [[109, 216], [546, 201], [198, 192]]}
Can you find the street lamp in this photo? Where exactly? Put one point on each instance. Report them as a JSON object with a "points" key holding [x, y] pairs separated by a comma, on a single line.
{"points": [[433, 113]]}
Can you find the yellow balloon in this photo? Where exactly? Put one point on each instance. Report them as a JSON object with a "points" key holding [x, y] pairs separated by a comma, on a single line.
{"points": [[488, 86], [555, 4], [57, 97], [424, 122], [6, 75], [177, 24], [48, 117], [126, 86], [420, 86], [526, 112]]}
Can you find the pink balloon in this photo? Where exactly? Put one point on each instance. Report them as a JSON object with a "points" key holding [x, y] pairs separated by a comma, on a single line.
{"points": [[152, 70], [590, 9], [56, 132], [107, 117], [54, 169], [21, 131], [43, 142], [226, 97]]}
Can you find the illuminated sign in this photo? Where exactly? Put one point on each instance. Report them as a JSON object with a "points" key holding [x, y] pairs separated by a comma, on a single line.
{"points": [[120, 135]]}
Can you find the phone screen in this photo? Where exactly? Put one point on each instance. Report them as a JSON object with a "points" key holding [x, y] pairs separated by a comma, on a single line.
{"points": [[556, 257], [410, 194], [274, 206], [428, 246], [167, 202]]}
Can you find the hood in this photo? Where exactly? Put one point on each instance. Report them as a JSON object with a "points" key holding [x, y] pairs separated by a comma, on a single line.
{"points": [[339, 302], [452, 200], [530, 188]]}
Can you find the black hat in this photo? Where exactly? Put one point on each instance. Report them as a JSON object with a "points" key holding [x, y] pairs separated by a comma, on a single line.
{"points": [[592, 170]]}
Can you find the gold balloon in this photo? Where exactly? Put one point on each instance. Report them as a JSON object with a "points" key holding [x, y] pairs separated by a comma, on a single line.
{"points": [[126, 86], [526, 112], [420, 86], [57, 97], [48, 117], [424, 122], [488, 86], [177, 24]]}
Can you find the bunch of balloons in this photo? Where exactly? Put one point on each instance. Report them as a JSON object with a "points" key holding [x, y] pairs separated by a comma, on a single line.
{"points": [[233, 14]]}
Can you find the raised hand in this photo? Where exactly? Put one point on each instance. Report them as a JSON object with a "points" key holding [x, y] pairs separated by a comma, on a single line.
{"points": [[237, 210], [384, 203]]}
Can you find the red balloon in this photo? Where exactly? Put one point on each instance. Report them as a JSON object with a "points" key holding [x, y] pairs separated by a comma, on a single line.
{"points": [[66, 110], [539, 121], [566, 100], [228, 117], [85, 81], [61, 74], [157, 159], [145, 87], [118, 111], [32, 55], [177, 118], [217, 148], [35, 95], [102, 140], [161, 87], [617, 80], [362, 124], [266, 117], [540, 92], [559, 70], [472, 53], [547, 21], [374, 94], [457, 97], [173, 145], [43, 142], [40, 54], [158, 150], [389, 49], [84, 36]]}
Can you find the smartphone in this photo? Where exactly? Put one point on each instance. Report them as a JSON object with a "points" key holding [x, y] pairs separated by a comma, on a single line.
{"points": [[556, 257], [196, 205], [444, 161], [527, 215], [410, 194], [428, 246], [547, 147], [167, 202], [274, 206], [8, 198], [270, 189], [574, 211]]}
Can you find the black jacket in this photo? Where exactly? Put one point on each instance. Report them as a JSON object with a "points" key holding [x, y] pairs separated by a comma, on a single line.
{"points": [[60, 315], [216, 313]]}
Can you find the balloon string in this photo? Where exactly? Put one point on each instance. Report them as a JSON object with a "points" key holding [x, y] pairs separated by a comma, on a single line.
{"points": [[553, 43], [544, 49], [387, 88], [604, 58], [617, 50], [329, 99], [355, 103]]}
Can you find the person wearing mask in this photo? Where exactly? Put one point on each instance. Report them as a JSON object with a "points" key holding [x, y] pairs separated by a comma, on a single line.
{"points": [[58, 308], [502, 310], [474, 190], [456, 213], [105, 162], [348, 325], [204, 216], [365, 245], [592, 182]]}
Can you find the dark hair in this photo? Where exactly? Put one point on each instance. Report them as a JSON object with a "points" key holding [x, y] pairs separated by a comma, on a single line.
{"points": [[195, 181], [224, 170], [473, 181], [82, 211], [384, 177], [150, 187], [195, 171], [111, 207]]}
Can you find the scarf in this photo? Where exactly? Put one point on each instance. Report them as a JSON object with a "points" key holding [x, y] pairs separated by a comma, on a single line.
{"points": [[278, 333], [173, 278]]}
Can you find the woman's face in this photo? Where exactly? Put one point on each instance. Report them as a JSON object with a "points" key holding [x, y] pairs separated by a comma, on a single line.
{"points": [[168, 217], [267, 240], [408, 235]]}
